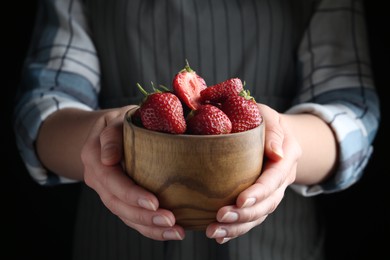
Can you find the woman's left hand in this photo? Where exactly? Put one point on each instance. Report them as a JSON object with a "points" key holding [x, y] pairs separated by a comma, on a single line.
{"points": [[254, 204]]}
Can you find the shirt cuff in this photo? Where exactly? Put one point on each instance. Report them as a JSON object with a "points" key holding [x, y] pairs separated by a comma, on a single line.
{"points": [[354, 150], [27, 125]]}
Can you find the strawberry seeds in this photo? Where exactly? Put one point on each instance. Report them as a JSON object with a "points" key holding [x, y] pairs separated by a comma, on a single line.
{"points": [[222, 108]]}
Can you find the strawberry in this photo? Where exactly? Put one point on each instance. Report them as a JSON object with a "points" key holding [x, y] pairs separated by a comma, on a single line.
{"points": [[208, 120], [187, 85], [162, 111], [242, 111], [136, 118], [221, 91]]}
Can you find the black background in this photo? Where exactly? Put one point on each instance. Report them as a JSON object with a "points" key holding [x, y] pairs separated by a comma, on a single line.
{"points": [[36, 222]]}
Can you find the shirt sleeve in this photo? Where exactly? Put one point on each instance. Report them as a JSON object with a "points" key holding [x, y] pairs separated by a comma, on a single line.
{"points": [[337, 86], [61, 71]]}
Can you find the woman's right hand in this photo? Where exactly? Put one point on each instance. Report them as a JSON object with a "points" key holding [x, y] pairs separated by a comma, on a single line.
{"points": [[138, 208]]}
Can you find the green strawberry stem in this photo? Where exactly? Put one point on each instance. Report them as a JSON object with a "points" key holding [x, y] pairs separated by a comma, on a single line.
{"points": [[156, 90], [164, 88], [187, 68], [246, 94], [143, 91], [190, 114]]}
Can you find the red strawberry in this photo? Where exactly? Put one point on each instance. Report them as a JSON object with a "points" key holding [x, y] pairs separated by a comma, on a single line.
{"points": [[221, 91], [162, 111], [242, 111], [187, 85], [208, 120]]}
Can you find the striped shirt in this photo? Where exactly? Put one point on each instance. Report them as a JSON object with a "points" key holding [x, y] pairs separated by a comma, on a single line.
{"points": [[297, 56], [294, 56]]}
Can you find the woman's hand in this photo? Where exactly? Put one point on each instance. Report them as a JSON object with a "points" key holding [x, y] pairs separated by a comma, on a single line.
{"points": [[136, 207], [254, 204]]}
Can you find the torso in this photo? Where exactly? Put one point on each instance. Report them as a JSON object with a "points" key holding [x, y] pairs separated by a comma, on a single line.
{"points": [[148, 41]]}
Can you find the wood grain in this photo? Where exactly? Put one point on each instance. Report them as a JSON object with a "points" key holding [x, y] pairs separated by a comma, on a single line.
{"points": [[193, 175]]}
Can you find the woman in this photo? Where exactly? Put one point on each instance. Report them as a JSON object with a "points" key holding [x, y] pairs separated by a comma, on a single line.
{"points": [[306, 63]]}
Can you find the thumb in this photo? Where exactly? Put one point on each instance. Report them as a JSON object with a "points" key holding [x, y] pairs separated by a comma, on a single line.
{"points": [[274, 133], [111, 144]]}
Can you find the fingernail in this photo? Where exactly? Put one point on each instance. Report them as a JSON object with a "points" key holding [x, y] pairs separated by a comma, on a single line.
{"points": [[171, 235], [229, 217], [219, 232], [226, 239], [277, 150], [249, 202], [146, 204], [162, 221]]}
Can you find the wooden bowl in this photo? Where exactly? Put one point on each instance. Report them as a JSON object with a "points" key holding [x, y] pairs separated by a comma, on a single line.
{"points": [[193, 175]]}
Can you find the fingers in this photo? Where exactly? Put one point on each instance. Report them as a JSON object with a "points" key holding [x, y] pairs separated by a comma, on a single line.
{"points": [[111, 137], [134, 205], [161, 234], [225, 232], [235, 221], [112, 179], [139, 209], [111, 145], [258, 201], [109, 177]]}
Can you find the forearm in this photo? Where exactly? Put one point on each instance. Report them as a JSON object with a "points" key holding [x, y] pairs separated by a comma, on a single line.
{"points": [[319, 147], [63, 134], [61, 138]]}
